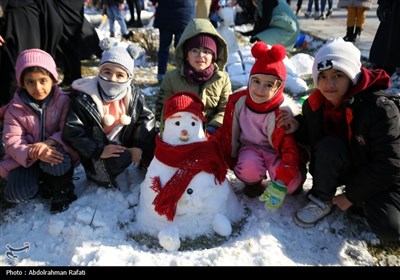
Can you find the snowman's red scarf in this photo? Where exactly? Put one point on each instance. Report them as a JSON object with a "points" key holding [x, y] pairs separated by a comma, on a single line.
{"points": [[190, 159]]}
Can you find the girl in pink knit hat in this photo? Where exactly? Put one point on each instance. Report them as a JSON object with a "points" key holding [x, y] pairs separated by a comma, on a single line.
{"points": [[37, 160]]}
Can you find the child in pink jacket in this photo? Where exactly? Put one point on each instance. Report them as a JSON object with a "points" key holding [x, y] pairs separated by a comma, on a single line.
{"points": [[36, 159]]}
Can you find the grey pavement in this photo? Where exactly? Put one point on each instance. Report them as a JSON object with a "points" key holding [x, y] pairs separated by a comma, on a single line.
{"points": [[335, 26]]}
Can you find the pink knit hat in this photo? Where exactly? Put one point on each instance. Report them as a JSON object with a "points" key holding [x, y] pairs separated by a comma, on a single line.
{"points": [[35, 57]]}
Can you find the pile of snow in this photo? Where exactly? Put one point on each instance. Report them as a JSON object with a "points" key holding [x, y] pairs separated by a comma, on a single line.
{"points": [[240, 60]]}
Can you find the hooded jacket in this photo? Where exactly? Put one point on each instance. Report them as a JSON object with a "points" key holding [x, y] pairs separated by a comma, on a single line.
{"points": [[22, 127], [373, 126], [283, 144], [215, 92]]}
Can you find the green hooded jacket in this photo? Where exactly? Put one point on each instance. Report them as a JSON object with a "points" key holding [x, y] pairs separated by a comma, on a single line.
{"points": [[215, 92]]}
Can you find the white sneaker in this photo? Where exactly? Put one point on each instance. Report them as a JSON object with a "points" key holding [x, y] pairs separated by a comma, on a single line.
{"points": [[321, 16], [308, 14], [314, 211]]}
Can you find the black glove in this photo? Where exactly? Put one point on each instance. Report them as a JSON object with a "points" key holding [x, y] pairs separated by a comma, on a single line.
{"points": [[383, 12]]}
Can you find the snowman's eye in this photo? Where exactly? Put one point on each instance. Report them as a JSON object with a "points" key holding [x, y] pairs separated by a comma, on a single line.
{"points": [[177, 123], [189, 191], [193, 123]]}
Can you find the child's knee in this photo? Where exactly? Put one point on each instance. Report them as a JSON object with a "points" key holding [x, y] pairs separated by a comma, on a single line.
{"points": [[249, 172]]}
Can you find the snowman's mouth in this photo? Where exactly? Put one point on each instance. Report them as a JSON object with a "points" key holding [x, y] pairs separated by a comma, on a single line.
{"points": [[184, 138]]}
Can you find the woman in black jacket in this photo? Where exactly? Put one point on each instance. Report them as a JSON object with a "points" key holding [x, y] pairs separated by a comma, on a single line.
{"points": [[385, 47]]}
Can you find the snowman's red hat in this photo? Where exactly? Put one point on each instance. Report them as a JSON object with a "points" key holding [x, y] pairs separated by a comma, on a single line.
{"points": [[184, 101]]}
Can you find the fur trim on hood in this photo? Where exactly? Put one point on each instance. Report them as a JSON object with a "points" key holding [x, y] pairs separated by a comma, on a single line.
{"points": [[89, 86]]}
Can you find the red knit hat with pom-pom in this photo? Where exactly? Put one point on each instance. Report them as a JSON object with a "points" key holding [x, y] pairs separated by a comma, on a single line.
{"points": [[184, 102], [269, 61]]}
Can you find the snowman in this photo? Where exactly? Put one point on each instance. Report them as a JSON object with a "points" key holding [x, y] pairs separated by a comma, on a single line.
{"points": [[185, 192]]}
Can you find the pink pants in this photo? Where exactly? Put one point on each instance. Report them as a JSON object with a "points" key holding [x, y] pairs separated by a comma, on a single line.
{"points": [[253, 164]]}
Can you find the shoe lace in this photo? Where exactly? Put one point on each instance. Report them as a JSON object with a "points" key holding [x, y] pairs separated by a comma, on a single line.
{"points": [[316, 202]]}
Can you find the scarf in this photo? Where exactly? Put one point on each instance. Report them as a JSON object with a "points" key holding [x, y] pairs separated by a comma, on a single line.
{"points": [[39, 107], [267, 106], [112, 91], [198, 77], [190, 159]]}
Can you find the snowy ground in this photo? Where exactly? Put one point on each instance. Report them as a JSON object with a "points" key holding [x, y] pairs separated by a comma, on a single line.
{"points": [[97, 230]]}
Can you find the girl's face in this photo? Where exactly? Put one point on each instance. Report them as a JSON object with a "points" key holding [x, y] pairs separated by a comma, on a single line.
{"points": [[37, 84], [114, 73], [200, 58], [333, 85], [263, 87]]}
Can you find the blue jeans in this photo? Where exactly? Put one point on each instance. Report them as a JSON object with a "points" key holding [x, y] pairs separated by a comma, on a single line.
{"points": [[310, 3], [115, 14], [165, 44], [323, 5]]}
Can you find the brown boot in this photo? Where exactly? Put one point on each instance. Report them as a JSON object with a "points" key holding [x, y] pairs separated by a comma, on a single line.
{"points": [[254, 190]]}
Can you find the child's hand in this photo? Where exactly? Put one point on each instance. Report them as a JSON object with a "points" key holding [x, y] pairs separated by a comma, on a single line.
{"points": [[112, 150], [136, 155], [46, 153], [274, 195], [285, 119]]}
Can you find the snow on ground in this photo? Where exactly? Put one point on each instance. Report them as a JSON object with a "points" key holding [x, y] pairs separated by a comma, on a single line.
{"points": [[97, 230]]}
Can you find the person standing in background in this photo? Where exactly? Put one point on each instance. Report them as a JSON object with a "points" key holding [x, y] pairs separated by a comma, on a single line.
{"points": [[171, 18], [355, 17], [25, 24], [309, 12], [384, 52], [330, 9], [68, 50], [135, 5], [114, 10], [203, 8]]}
